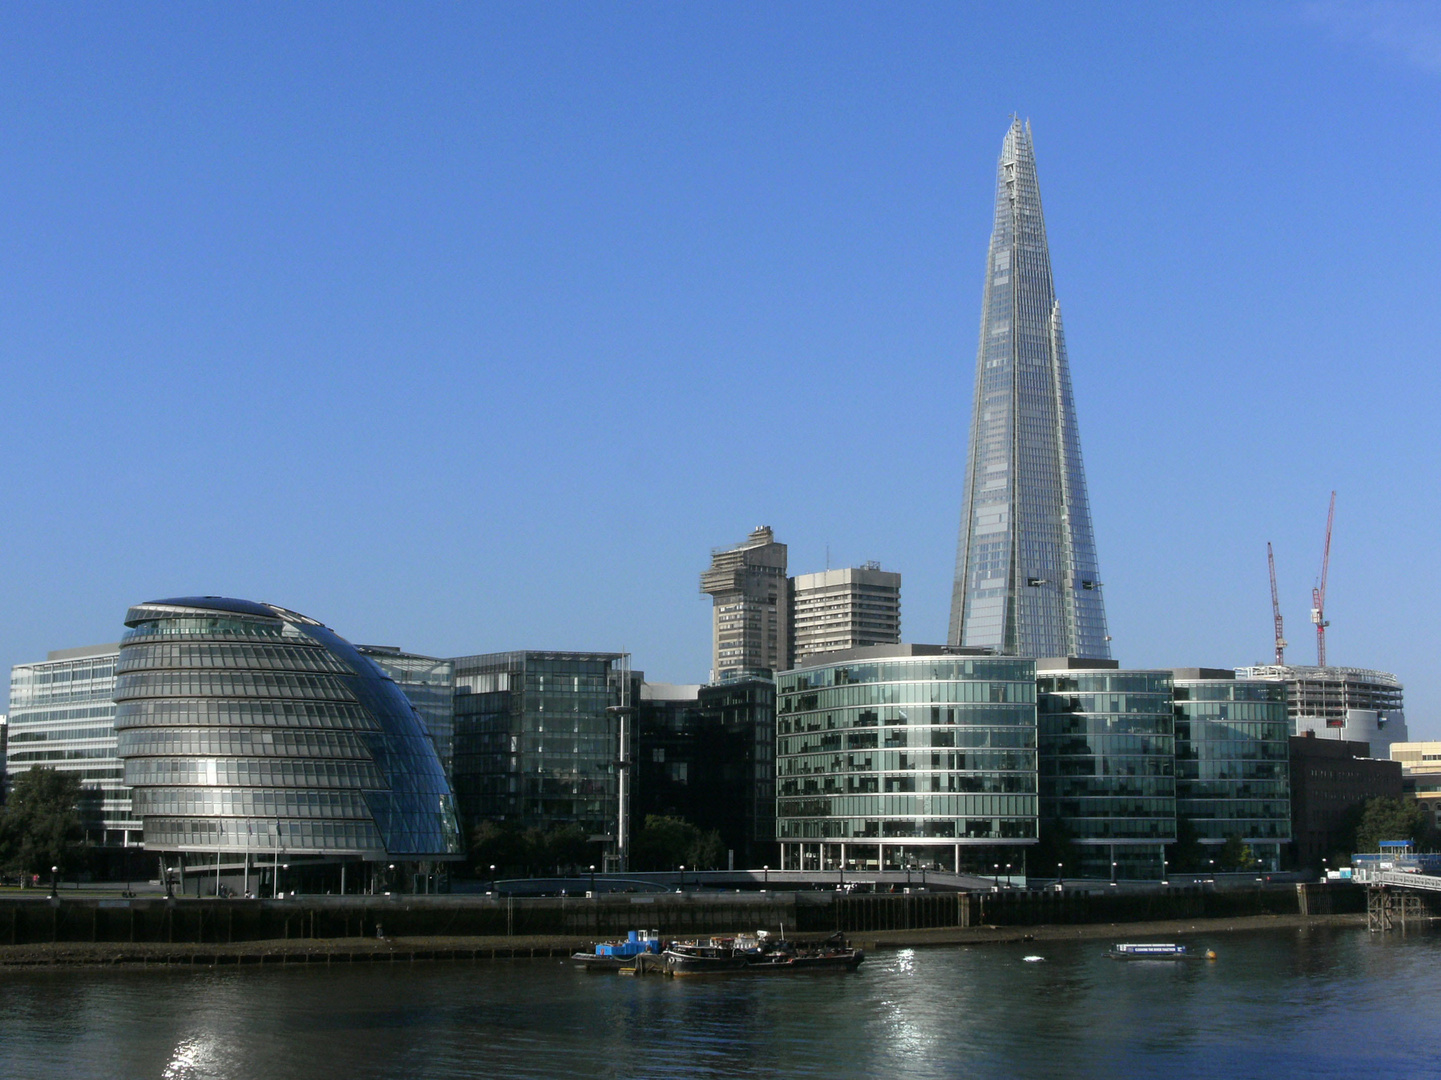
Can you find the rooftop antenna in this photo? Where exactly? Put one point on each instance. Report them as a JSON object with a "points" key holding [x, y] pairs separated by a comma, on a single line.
{"points": [[1318, 594], [1276, 609]]}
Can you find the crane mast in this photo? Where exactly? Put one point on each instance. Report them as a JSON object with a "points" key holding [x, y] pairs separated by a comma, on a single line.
{"points": [[1276, 609], [1318, 594]]}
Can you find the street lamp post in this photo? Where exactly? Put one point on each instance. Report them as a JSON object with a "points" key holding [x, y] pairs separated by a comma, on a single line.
{"points": [[54, 882], [1113, 871], [997, 868], [1060, 872], [682, 879], [1008, 875], [767, 871], [592, 880]]}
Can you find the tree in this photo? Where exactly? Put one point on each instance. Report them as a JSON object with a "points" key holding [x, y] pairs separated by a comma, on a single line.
{"points": [[1187, 853], [1236, 854], [40, 823], [494, 843], [1391, 819], [666, 842]]}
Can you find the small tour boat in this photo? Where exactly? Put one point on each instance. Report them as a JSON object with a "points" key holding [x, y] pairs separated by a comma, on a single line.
{"points": [[1156, 951]]}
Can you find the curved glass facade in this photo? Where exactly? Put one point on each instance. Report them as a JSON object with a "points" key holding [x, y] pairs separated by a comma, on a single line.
{"points": [[247, 727], [889, 761]]}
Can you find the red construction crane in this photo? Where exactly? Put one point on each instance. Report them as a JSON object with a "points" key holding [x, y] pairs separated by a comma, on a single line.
{"points": [[1276, 609], [1318, 594]]}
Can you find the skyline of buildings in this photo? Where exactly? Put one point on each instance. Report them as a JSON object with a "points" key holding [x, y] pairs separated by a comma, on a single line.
{"points": [[1027, 581], [531, 737]]}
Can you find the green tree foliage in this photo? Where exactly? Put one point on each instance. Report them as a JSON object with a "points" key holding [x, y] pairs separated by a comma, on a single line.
{"points": [[1392, 819], [40, 823], [667, 842], [1236, 854], [1187, 854], [529, 852]]}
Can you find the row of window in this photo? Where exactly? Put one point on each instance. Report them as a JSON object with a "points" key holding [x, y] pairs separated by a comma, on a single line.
{"points": [[995, 693], [969, 829], [192, 656], [215, 713], [929, 669], [865, 784], [208, 627], [244, 772], [262, 742], [909, 716], [242, 802], [338, 837], [242, 684], [937, 806]]}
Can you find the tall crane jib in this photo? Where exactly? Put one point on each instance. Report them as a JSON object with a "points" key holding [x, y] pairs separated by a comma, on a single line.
{"points": [[1276, 609], [1318, 594]]}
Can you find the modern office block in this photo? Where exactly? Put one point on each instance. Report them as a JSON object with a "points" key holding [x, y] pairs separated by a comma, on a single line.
{"points": [[751, 610], [1420, 774], [253, 736], [429, 683], [62, 714], [536, 739], [707, 754], [832, 610], [1330, 780], [1107, 765], [1354, 704], [907, 755], [1027, 581], [1232, 760]]}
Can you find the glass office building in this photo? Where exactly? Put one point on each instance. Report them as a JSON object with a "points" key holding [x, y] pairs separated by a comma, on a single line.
{"points": [[429, 683], [1026, 579], [1107, 766], [252, 734], [536, 742], [1233, 760], [62, 715], [901, 756]]}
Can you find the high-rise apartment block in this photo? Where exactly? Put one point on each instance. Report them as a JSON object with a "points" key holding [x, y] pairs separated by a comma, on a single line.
{"points": [[1026, 581], [844, 609], [766, 623], [752, 624]]}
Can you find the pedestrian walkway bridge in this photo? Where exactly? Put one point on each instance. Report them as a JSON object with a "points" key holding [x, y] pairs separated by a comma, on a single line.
{"points": [[1395, 879]]}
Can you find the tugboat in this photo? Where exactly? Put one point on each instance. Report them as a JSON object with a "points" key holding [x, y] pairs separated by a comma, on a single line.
{"points": [[756, 954], [618, 955], [835, 954]]}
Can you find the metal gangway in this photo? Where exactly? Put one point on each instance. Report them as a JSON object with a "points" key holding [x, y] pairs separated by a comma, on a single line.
{"points": [[1395, 879]]}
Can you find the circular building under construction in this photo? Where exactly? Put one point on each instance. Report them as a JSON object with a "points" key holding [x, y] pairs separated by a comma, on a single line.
{"points": [[266, 755]]}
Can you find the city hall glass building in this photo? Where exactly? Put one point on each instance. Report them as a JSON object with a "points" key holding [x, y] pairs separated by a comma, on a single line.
{"points": [[251, 734], [1026, 580], [896, 756]]}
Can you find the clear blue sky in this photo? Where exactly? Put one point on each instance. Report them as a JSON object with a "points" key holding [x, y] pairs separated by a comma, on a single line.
{"points": [[475, 327]]}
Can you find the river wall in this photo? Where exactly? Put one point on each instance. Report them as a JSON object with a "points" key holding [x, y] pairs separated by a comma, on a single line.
{"points": [[25, 921]]}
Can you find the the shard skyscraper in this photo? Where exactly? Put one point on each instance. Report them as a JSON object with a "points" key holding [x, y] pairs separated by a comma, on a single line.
{"points": [[1027, 582]]}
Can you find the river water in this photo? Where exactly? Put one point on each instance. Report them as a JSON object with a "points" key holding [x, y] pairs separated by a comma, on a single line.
{"points": [[1312, 1003]]}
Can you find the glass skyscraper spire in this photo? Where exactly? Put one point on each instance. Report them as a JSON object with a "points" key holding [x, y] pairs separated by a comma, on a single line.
{"points": [[1027, 582]]}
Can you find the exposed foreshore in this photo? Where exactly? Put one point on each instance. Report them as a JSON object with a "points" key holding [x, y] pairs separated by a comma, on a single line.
{"points": [[334, 951]]}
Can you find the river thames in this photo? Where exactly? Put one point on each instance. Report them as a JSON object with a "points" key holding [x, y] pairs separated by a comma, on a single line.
{"points": [[1313, 1003]]}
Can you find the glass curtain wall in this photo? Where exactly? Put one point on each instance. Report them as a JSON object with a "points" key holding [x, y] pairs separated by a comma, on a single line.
{"points": [[907, 762]]}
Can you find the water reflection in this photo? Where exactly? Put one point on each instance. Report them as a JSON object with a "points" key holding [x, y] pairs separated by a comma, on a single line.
{"points": [[1275, 1004]]}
